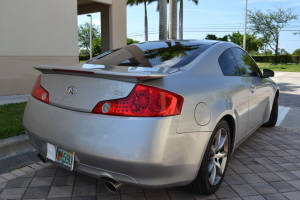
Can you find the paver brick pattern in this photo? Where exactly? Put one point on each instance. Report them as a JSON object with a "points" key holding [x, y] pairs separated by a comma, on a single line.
{"points": [[265, 166]]}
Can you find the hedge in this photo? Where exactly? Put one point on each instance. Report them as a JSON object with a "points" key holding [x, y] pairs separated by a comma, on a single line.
{"points": [[281, 59], [85, 57]]}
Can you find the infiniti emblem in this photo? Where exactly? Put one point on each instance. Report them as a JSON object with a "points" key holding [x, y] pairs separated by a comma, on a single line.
{"points": [[71, 90]]}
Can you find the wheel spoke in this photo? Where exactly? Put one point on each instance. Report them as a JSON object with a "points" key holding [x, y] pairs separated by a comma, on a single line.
{"points": [[212, 176], [222, 142], [217, 139], [218, 165], [213, 150], [221, 155], [219, 169], [211, 165]]}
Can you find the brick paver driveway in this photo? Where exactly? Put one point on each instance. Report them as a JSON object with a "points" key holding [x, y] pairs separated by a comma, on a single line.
{"points": [[265, 166]]}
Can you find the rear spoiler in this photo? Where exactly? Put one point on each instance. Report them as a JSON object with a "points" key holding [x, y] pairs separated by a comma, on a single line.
{"points": [[124, 73]]}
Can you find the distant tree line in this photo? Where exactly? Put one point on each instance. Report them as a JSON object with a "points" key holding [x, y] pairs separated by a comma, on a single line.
{"points": [[265, 31], [254, 44]]}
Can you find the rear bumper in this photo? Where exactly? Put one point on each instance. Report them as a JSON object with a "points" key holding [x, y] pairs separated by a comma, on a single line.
{"points": [[137, 150]]}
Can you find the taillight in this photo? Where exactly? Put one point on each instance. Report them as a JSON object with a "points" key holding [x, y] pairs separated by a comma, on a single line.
{"points": [[143, 101], [39, 92]]}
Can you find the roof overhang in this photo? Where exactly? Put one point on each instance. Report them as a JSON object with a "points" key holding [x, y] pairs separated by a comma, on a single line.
{"points": [[83, 2]]}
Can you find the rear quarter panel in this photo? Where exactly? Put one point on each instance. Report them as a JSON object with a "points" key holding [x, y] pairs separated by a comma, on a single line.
{"points": [[202, 81]]}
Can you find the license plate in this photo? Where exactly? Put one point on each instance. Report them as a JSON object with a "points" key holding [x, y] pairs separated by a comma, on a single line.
{"points": [[60, 157], [64, 158]]}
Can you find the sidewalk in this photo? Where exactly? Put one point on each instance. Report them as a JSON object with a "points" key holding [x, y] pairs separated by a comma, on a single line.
{"points": [[288, 118], [14, 99]]}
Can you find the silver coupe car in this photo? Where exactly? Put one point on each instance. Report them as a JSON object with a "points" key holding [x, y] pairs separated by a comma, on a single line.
{"points": [[154, 114]]}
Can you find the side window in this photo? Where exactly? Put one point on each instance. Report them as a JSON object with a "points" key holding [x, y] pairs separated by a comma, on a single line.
{"points": [[246, 65], [228, 64]]}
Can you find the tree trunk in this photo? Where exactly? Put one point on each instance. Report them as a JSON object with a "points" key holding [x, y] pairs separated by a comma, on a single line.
{"points": [[181, 20], [276, 51], [276, 39], [173, 20], [162, 19], [146, 22]]}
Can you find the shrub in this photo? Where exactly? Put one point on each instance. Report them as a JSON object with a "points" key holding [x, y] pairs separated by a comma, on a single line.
{"points": [[296, 52], [296, 59], [281, 58], [85, 57]]}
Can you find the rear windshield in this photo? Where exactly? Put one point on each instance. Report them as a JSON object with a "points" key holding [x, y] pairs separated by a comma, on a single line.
{"points": [[168, 54]]}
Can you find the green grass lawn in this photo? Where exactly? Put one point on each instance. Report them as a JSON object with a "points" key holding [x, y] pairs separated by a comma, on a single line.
{"points": [[11, 116], [280, 67]]}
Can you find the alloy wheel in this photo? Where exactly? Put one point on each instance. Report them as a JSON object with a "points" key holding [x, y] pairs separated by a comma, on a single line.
{"points": [[218, 157]]}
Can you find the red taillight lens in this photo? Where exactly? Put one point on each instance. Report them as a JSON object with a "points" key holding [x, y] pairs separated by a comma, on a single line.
{"points": [[143, 101], [39, 92]]}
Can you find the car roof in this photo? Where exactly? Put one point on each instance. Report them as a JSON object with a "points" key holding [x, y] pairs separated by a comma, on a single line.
{"points": [[207, 42]]}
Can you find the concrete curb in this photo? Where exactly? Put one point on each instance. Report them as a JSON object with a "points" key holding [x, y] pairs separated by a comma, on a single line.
{"points": [[14, 99], [14, 146], [287, 129]]}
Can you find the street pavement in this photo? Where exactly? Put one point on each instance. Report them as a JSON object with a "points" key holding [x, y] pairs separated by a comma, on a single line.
{"points": [[289, 84]]}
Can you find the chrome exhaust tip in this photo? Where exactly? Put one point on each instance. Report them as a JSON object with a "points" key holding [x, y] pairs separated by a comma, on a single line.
{"points": [[112, 185], [42, 158]]}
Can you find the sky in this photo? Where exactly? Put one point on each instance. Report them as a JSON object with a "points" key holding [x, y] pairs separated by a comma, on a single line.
{"points": [[219, 17]]}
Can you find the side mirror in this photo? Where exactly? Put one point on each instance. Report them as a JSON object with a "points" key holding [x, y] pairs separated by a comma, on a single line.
{"points": [[268, 73]]}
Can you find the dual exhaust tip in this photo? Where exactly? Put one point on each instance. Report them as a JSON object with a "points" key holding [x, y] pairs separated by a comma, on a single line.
{"points": [[111, 185]]}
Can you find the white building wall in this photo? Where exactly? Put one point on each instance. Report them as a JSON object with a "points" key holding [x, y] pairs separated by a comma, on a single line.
{"points": [[35, 32]]}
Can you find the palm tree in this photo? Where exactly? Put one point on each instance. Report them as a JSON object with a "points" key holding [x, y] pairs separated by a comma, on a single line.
{"points": [[173, 17], [162, 7], [137, 2], [173, 20], [181, 18]]}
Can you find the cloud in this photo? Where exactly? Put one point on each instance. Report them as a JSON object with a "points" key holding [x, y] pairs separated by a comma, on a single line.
{"points": [[294, 4], [131, 10], [152, 7], [96, 22], [254, 1], [206, 11]]}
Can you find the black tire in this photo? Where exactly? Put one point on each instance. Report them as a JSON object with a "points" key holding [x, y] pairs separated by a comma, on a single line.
{"points": [[273, 115], [213, 167]]}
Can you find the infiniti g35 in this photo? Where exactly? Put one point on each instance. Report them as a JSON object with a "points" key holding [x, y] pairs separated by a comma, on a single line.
{"points": [[154, 114]]}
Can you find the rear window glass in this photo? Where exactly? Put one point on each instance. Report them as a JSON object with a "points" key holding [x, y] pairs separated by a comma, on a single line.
{"points": [[168, 54]]}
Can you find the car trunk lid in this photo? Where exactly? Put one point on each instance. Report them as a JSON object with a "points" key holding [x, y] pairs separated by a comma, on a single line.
{"points": [[81, 87]]}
